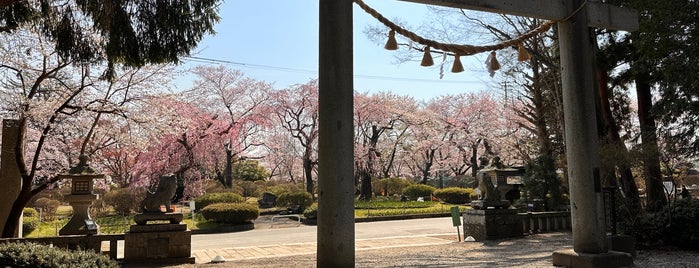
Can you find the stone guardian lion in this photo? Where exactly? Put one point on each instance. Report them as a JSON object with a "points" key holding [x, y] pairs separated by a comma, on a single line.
{"points": [[167, 184]]}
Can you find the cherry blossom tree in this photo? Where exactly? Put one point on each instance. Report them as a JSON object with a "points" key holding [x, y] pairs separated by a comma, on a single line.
{"points": [[186, 143], [58, 104], [470, 122], [297, 111], [377, 117], [425, 140], [241, 101]]}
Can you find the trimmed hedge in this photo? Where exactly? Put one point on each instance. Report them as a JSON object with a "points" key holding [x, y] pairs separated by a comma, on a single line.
{"points": [[30, 221], [215, 198], [293, 199], [454, 195], [36, 255], [311, 212], [30, 212], [418, 190], [234, 213]]}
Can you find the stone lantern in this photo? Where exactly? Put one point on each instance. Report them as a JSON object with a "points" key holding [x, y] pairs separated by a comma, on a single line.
{"points": [[81, 198]]}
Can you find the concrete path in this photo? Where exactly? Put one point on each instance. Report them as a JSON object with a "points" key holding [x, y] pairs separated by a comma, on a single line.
{"points": [[309, 248], [288, 238]]}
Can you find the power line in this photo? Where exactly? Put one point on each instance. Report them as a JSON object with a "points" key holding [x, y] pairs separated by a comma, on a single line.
{"points": [[315, 72]]}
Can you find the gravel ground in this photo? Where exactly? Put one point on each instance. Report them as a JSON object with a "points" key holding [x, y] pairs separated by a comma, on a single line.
{"points": [[531, 251]]}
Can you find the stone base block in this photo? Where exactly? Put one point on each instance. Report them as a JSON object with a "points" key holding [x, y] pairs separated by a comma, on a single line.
{"points": [[611, 259], [144, 218], [622, 243], [492, 224], [481, 204], [150, 228], [154, 246]]}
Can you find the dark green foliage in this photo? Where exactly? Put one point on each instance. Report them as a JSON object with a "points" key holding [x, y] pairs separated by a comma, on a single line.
{"points": [[390, 186], [214, 198], [131, 32], [683, 227], [294, 199], [542, 183], [454, 195], [419, 190], [234, 213], [311, 212], [677, 225], [124, 200], [249, 170], [30, 221], [35, 255]]}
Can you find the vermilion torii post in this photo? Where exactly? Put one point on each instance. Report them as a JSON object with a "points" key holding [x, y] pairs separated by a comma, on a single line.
{"points": [[335, 236]]}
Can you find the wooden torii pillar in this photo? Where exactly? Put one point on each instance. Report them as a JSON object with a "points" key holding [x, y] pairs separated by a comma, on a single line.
{"points": [[335, 183]]}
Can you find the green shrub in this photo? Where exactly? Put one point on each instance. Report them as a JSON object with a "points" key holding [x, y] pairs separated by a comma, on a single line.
{"points": [[374, 204], [454, 195], [30, 212], [683, 224], [125, 200], [249, 170], [35, 255], [215, 198], [418, 190], [49, 207], [390, 186], [677, 225], [311, 211], [29, 224], [234, 213], [293, 199]]}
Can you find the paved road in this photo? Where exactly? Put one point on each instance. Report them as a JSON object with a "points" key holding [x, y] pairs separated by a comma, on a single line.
{"points": [[290, 239]]}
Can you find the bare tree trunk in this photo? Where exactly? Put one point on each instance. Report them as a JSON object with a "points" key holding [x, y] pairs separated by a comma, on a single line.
{"points": [[610, 136], [655, 196], [308, 174], [228, 171]]}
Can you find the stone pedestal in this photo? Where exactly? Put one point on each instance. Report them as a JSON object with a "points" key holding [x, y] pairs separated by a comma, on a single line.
{"points": [[161, 243], [570, 258], [489, 224], [81, 212]]}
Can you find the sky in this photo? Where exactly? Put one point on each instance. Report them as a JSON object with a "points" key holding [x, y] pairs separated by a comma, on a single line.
{"points": [[277, 41]]}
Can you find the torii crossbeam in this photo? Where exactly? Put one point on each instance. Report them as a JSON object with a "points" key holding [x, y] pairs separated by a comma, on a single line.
{"points": [[335, 141]]}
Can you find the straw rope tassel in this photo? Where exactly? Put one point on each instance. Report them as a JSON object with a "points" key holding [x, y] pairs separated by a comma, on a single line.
{"points": [[457, 67], [492, 63], [391, 43], [427, 58], [522, 53]]}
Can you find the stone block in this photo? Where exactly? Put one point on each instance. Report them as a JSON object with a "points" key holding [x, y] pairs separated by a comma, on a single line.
{"points": [[610, 259], [622, 243], [144, 218], [149, 228], [492, 224], [151, 246]]}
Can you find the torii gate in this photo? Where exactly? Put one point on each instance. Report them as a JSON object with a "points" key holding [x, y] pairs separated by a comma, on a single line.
{"points": [[336, 244]]}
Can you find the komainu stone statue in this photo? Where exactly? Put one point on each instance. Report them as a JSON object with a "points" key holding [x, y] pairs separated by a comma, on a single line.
{"points": [[488, 191], [167, 184], [490, 195]]}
